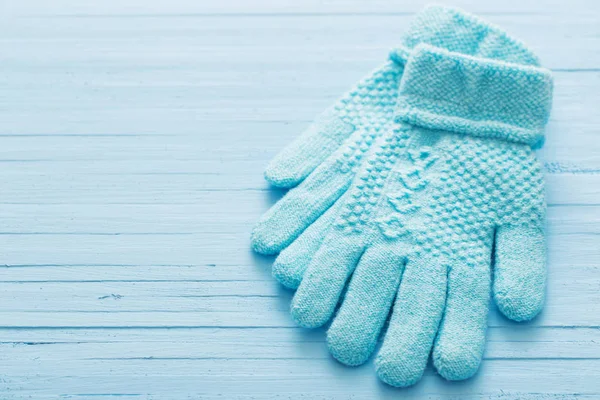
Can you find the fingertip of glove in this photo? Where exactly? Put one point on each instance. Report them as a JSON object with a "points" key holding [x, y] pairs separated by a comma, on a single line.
{"points": [[397, 373], [456, 363], [306, 317], [281, 272], [281, 177], [261, 244], [520, 308], [347, 349]]}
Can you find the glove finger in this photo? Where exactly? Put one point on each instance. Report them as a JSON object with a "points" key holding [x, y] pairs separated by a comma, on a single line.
{"points": [[370, 104], [415, 319], [353, 334], [458, 349], [292, 262], [519, 271], [299, 208], [295, 162], [324, 280]]}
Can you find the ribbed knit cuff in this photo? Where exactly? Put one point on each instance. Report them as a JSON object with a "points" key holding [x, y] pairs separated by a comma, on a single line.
{"points": [[458, 31], [475, 96]]}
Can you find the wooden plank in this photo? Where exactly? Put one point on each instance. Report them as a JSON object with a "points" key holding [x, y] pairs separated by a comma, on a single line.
{"points": [[289, 378], [514, 342], [204, 233], [242, 187], [114, 42], [200, 249], [214, 213], [231, 303], [139, 8]]}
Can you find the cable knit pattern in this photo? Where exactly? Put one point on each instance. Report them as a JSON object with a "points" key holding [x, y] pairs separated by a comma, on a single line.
{"points": [[405, 211]]}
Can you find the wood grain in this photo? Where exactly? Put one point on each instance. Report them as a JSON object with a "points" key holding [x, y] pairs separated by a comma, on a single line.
{"points": [[133, 135]]}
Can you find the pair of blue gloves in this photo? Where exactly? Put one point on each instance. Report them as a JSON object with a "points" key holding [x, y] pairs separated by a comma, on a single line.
{"points": [[415, 196]]}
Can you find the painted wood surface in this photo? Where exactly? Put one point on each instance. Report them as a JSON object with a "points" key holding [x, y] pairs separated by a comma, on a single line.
{"points": [[133, 135]]}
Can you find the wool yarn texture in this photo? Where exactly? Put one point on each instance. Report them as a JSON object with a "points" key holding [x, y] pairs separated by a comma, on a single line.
{"points": [[409, 193]]}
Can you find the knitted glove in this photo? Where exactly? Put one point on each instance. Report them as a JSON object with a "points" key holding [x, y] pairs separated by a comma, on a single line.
{"points": [[454, 178], [324, 160]]}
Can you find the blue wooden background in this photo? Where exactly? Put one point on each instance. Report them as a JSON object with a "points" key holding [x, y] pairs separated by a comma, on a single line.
{"points": [[133, 135]]}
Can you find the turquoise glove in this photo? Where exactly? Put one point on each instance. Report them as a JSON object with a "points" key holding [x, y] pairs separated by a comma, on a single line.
{"points": [[324, 160], [455, 177]]}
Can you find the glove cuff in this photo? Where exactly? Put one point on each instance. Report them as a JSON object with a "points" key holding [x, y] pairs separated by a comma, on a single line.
{"points": [[458, 31], [475, 96]]}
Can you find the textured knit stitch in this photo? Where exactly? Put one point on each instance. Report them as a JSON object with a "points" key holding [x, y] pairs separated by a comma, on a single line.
{"points": [[432, 193], [423, 213], [325, 158], [486, 111], [419, 223]]}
